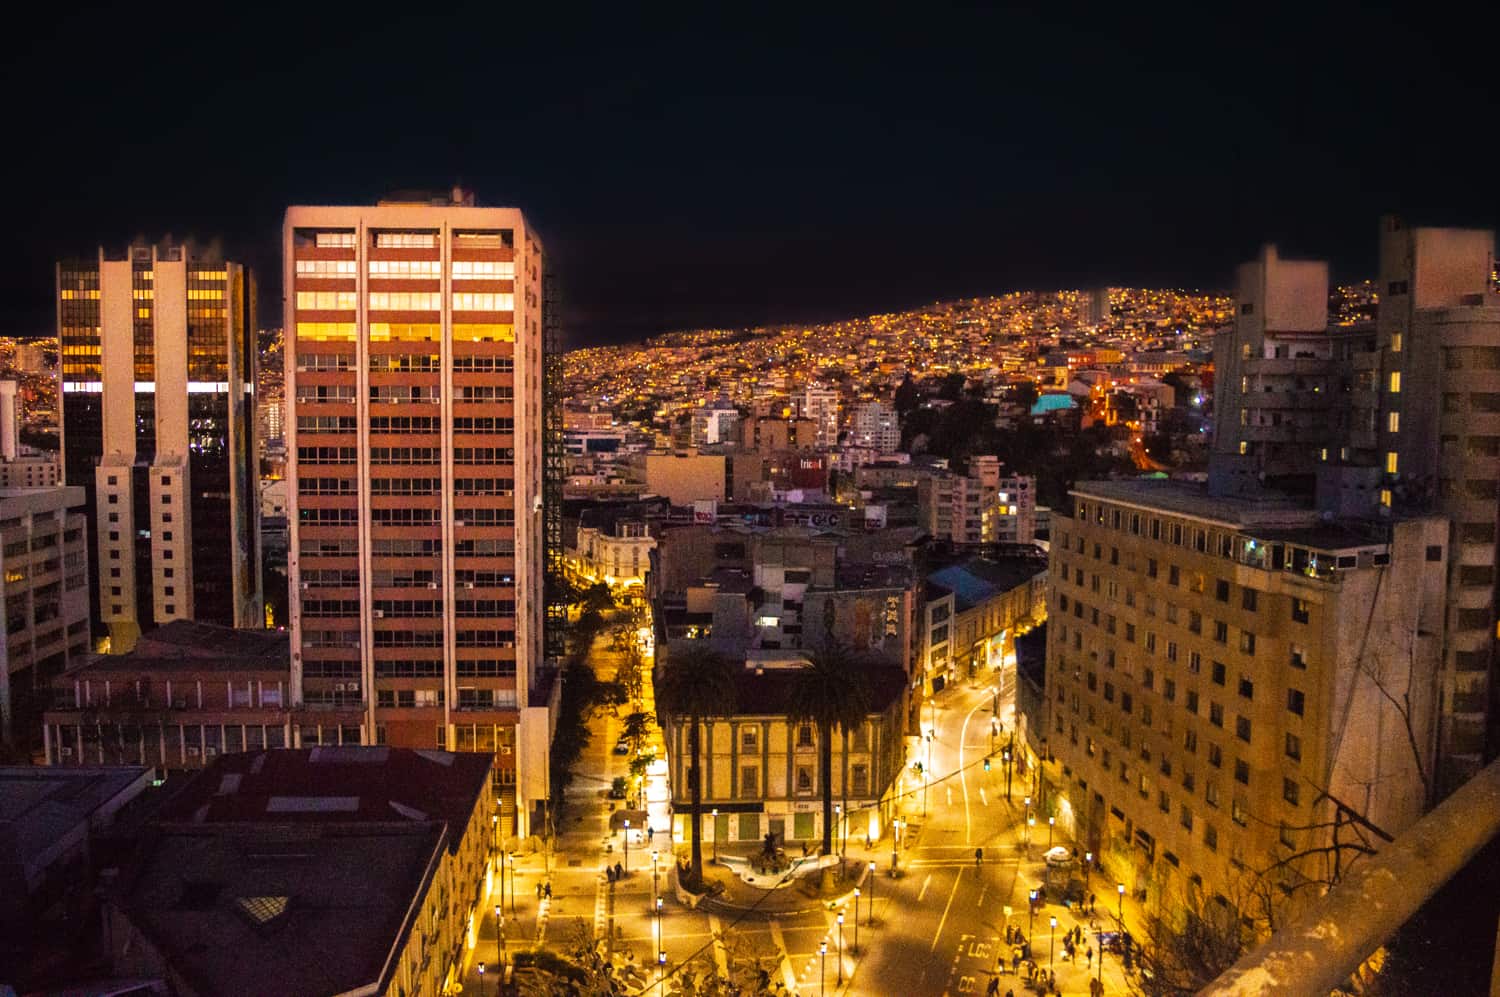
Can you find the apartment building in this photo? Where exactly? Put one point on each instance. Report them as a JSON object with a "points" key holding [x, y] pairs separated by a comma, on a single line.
{"points": [[45, 601], [1282, 377], [714, 423], [21, 467], [876, 426], [613, 543], [760, 771], [413, 374], [820, 405], [982, 506], [158, 365], [1223, 687]]}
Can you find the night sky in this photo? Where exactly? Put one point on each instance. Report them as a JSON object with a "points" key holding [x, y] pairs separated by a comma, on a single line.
{"points": [[747, 165]]}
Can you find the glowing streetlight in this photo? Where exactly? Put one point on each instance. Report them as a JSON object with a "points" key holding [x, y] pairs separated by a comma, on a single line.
{"points": [[823, 970], [855, 950], [480, 967], [1051, 942], [627, 844]]}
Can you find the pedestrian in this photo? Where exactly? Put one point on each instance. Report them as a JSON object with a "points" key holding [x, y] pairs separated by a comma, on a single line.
{"points": [[609, 873], [619, 871], [978, 857], [1088, 955], [1091, 903], [539, 891], [994, 987], [1015, 962], [547, 889]]}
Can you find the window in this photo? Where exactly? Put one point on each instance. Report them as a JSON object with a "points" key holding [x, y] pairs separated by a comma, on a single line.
{"points": [[749, 738], [1393, 422], [1221, 590], [1247, 642], [1221, 631], [1216, 714], [1300, 610], [1392, 462], [1298, 657], [1242, 728], [1293, 747], [1219, 673], [1242, 771], [1395, 382], [1210, 838], [1192, 701], [804, 735], [1186, 817], [1295, 701], [1247, 688], [1238, 813], [749, 780], [804, 779], [1290, 791], [1248, 599], [1215, 756]]}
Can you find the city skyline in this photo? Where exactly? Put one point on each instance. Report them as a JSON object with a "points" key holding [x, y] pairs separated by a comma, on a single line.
{"points": [[747, 167]]}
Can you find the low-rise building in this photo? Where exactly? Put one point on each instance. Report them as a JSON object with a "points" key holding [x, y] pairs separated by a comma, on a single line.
{"points": [[760, 770], [187, 693], [974, 611], [336, 870]]}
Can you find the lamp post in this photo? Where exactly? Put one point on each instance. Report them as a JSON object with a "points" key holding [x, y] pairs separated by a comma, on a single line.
{"points": [[1051, 942], [653, 877], [823, 969], [994, 729], [1088, 860], [1030, 921], [627, 844], [1030, 823], [1051, 823], [1120, 889], [855, 950], [500, 939], [1010, 751], [480, 967], [716, 835], [512, 857], [895, 842], [657, 905], [841, 948], [661, 964], [927, 772], [870, 918], [1099, 936]]}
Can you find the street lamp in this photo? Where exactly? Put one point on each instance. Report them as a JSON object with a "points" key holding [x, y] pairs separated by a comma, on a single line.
{"points": [[653, 876], [896, 826], [480, 967], [661, 964], [1088, 860], [823, 969], [512, 856], [500, 937], [1120, 888], [716, 835], [870, 918], [855, 950], [1051, 823], [658, 925], [927, 772], [1030, 823], [627, 844], [1051, 942], [1030, 921], [994, 730], [841, 948]]}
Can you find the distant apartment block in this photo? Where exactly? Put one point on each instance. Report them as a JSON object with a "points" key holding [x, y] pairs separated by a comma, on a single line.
{"points": [[820, 405], [413, 375], [158, 366], [20, 466], [875, 425], [982, 506]]}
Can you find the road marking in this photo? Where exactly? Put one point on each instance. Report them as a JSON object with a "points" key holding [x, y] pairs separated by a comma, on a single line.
{"points": [[721, 957], [944, 919], [985, 889], [983, 796], [923, 891], [788, 976], [963, 776]]}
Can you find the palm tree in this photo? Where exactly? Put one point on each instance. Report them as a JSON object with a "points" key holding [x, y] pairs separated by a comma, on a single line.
{"points": [[696, 682], [832, 691]]}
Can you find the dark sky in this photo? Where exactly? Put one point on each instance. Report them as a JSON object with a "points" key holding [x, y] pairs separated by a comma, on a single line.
{"points": [[748, 163]]}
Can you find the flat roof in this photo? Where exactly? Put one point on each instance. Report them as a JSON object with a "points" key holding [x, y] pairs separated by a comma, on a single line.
{"points": [[323, 909], [335, 784], [1188, 498], [41, 807]]}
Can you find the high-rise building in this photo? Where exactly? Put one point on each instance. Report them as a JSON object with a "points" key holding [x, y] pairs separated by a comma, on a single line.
{"points": [[158, 402], [1237, 690], [1282, 377], [1431, 428], [876, 425], [414, 435]]}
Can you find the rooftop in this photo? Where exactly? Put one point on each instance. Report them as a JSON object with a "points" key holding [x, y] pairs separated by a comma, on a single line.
{"points": [[326, 906], [186, 645], [768, 690], [1193, 499], [41, 808], [335, 785], [980, 579]]}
